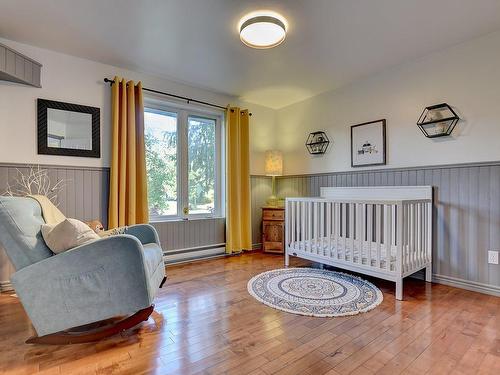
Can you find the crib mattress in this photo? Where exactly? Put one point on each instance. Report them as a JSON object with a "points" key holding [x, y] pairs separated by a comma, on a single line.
{"points": [[322, 247]]}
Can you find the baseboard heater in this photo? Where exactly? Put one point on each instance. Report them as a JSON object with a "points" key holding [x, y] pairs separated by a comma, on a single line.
{"points": [[194, 253]]}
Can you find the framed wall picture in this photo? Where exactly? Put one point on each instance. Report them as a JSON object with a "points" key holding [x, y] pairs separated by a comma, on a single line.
{"points": [[68, 129], [368, 144]]}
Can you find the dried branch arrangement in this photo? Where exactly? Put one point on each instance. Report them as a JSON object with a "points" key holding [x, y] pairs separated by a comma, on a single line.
{"points": [[35, 182]]}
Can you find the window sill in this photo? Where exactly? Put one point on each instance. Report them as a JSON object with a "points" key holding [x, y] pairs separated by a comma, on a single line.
{"points": [[179, 220]]}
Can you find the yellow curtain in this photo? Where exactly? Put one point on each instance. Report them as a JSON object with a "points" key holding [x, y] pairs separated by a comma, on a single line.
{"points": [[238, 216], [128, 197]]}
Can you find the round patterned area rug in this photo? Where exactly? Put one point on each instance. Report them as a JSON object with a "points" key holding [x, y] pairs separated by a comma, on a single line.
{"points": [[314, 292]]}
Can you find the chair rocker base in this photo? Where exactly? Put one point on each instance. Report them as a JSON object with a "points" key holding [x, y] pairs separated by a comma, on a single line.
{"points": [[92, 332], [163, 281]]}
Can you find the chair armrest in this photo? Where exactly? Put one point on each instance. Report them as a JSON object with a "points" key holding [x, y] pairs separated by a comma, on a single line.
{"points": [[146, 233], [116, 248], [91, 282]]}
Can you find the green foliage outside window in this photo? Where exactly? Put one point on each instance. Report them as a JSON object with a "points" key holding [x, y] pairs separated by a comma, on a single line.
{"points": [[201, 144], [161, 164], [161, 169]]}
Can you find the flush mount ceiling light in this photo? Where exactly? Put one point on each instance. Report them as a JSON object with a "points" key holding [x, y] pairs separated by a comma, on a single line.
{"points": [[262, 29]]}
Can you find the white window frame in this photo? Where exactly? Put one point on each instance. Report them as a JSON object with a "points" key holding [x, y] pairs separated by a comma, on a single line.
{"points": [[184, 111]]}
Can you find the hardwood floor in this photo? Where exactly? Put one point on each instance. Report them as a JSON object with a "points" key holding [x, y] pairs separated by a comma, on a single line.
{"points": [[206, 322]]}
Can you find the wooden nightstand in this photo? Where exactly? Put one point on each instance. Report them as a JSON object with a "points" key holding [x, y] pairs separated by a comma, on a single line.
{"points": [[273, 229]]}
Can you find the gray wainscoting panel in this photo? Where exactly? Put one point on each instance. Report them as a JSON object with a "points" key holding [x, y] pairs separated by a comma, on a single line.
{"points": [[466, 211], [189, 234], [85, 191], [85, 197]]}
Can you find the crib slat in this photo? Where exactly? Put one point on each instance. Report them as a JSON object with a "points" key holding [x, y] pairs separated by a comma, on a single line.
{"points": [[426, 233], [404, 231], [362, 231], [394, 223], [358, 243], [411, 236], [414, 236], [388, 225], [420, 234], [351, 230], [343, 208], [334, 230], [409, 239], [428, 255], [337, 229], [369, 224], [414, 254], [310, 235], [297, 225], [413, 229], [320, 223], [314, 241], [303, 237], [322, 227], [400, 244], [329, 229], [378, 233], [417, 236]]}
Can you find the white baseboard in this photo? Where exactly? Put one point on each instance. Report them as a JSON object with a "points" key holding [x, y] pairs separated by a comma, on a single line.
{"points": [[459, 283], [6, 286], [466, 284]]}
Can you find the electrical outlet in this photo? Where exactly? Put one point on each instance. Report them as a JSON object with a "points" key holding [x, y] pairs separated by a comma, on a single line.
{"points": [[493, 257]]}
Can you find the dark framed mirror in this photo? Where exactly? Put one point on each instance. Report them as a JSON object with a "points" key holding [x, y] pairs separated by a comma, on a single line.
{"points": [[68, 129]]}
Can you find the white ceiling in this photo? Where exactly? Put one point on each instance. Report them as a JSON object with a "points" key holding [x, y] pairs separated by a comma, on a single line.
{"points": [[330, 42]]}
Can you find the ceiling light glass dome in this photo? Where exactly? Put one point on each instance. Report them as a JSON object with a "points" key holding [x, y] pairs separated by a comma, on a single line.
{"points": [[262, 29]]}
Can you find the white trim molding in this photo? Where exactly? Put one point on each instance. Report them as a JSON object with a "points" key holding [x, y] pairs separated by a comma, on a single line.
{"points": [[377, 192], [466, 284]]}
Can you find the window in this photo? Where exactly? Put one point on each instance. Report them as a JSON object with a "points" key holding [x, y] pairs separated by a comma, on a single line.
{"points": [[160, 134], [183, 161], [201, 164]]}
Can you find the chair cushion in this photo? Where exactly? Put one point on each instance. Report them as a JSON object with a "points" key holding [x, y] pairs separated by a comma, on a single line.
{"points": [[153, 256], [20, 222], [67, 234]]}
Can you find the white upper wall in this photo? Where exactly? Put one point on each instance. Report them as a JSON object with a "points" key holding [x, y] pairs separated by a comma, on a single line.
{"points": [[75, 80], [466, 76], [329, 43]]}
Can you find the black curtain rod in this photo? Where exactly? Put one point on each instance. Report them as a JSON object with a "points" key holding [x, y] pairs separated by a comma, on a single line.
{"points": [[111, 81]]}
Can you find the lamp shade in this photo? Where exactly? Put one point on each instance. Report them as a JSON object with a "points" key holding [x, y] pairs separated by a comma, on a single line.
{"points": [[274, 163]]}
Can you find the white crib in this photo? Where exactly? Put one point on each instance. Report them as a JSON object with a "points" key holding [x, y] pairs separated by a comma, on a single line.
{"points": [[384, 232]]}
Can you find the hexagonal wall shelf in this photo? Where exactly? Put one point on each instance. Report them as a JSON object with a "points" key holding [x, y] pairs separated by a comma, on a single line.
{"points": [[317, 143], [438, 120]]}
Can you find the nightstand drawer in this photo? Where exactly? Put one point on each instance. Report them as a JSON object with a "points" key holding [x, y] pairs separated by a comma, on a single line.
{"points": [[273, 214]]}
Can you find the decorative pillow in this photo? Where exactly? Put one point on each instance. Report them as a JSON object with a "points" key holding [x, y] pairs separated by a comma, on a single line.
{"points": [[67, 234]]}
